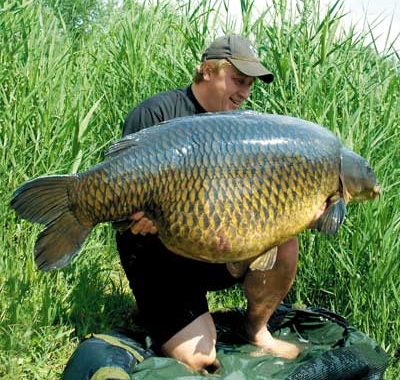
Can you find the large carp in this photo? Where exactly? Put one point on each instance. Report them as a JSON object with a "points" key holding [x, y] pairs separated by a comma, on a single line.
{"points": [[220, 187]]}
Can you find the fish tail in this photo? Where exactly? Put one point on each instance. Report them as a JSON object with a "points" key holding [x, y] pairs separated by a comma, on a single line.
{"points": [[46, 200]]}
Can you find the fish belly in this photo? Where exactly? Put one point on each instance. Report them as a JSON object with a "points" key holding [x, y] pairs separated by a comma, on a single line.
{"points": [[229, 220]]}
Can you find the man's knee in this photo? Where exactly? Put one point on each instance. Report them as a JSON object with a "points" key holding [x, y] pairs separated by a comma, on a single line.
{"points": [[190, 354], [194, 345], [199, 360]]}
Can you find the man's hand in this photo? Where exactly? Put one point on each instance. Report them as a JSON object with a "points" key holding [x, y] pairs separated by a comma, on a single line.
{"points": [[142, 225]]}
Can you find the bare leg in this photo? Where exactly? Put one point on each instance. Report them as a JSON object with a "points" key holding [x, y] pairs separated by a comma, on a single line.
{"points": [[265, 290], [194, 345]]}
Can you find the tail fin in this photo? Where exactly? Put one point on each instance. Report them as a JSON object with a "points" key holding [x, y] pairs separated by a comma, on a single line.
{"points": [[45, 200]]}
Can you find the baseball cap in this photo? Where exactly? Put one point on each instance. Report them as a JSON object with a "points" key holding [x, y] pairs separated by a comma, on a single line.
{"points": [[241, 53]]}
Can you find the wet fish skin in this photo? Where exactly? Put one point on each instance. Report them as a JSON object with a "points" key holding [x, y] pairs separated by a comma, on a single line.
{"points": [[221, 187]]}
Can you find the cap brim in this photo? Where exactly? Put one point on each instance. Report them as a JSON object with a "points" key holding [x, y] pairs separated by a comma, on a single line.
{"points": [[252, 69]]}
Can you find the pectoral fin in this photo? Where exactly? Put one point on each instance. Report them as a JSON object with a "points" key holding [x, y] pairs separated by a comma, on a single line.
{"points": [[265, 261], [332, 218]]}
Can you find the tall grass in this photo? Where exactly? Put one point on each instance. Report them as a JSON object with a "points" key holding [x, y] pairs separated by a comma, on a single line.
{"points": [[63, 99]]}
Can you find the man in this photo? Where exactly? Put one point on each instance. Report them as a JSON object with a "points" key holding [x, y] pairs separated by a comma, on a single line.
{"points": [[170, 290]]}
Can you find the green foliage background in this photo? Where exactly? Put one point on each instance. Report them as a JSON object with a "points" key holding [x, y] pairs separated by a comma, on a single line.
{"points": [[69, 73]]}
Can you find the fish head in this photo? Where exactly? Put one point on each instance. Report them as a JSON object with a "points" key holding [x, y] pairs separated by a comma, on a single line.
{"points": [[358, 180]]}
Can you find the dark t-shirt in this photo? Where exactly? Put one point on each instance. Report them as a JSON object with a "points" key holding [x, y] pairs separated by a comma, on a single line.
{"points": [[170, 290], [161, 107]]}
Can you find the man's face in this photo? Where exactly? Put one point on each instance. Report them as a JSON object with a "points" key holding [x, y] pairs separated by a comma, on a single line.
{"points": [[227, 89]]}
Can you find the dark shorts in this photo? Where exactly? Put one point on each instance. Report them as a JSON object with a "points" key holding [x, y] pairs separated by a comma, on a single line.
{"points": [[170, 290]]}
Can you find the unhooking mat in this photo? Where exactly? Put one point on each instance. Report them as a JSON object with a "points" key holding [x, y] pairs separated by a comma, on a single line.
{"points": [[331, 350]]}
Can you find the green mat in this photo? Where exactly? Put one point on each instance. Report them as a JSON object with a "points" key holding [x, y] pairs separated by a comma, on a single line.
{"points": [[331, 349]]}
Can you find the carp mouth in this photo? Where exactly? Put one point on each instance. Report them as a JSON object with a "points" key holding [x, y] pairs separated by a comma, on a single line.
{"points": [[362, 196], [375, 192]]}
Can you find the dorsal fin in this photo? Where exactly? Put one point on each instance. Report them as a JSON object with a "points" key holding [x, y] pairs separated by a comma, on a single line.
{"points": [[121, 145]]}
